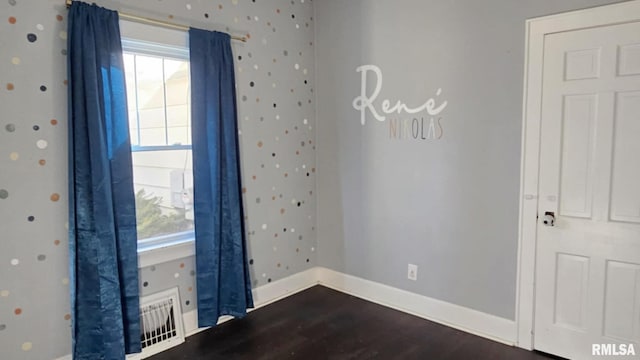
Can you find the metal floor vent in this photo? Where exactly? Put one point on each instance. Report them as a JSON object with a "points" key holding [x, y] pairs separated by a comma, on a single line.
{"points": [[161, 322]]}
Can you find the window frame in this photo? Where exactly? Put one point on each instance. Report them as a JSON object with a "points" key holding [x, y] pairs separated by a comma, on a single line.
{"points": [[152, 41], [142, 47]]}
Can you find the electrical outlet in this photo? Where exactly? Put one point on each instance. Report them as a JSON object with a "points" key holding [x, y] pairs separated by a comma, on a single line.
{"points": [[412, 273]]}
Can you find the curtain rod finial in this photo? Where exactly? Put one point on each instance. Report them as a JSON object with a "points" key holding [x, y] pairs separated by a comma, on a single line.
{"points": [[68, 3]]}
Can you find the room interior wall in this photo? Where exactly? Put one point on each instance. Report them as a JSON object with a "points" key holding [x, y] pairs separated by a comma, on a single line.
{"points": [[276, 115], [447, 203], [440, 191]]}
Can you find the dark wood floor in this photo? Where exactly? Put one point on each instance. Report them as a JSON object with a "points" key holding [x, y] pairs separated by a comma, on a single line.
{"points": [[320, 323]]}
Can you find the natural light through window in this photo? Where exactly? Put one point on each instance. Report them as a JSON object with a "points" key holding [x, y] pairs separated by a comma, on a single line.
{"points": [[159, 119]]}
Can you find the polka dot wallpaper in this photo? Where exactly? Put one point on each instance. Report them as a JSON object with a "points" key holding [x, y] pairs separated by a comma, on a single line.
{"points": [[275, 90], [180, 273]]}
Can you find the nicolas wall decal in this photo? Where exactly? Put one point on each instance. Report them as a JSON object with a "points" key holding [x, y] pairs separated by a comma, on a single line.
{"points": [[421, 122]]}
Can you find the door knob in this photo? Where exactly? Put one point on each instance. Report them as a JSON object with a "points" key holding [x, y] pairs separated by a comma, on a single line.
{"points": [[549, 218]]}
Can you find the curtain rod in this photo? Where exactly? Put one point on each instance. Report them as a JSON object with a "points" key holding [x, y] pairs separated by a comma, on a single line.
{"points": [[150, 21]]}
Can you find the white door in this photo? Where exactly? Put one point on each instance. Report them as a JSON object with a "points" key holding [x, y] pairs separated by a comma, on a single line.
{"points": [[588, 263]]}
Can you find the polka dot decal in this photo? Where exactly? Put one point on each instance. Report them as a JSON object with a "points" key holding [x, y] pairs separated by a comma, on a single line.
{"points": [[275, 99], [180, 273]]}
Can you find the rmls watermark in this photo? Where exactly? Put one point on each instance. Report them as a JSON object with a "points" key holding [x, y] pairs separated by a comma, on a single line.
{"points": [[613, 349]]}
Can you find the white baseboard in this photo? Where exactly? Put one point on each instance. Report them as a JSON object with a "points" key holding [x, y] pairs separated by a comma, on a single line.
{"points": [[455, 316]]}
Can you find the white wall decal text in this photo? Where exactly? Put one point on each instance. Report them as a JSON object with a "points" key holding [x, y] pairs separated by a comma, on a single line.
{"points": [[365, 102]]}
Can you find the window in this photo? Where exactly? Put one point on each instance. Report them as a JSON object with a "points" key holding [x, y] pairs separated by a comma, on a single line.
{"points": [[159, 104]]}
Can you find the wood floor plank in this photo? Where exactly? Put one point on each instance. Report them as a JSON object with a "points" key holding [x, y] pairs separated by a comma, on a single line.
{"points": [[320, 323]]}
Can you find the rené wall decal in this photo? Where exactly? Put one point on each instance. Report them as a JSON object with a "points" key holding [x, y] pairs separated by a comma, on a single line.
{"points": [[406, 128]]}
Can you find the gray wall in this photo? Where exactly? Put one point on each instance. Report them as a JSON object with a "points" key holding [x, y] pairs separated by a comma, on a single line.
{"points": [[448, 205], [34, 300]]}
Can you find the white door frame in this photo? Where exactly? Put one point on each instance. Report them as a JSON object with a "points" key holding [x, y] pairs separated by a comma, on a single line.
{"points": [[536, 29]]}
